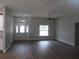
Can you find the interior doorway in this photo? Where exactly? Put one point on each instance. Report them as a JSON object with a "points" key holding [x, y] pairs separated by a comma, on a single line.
{"points": [[77, 34], [22, 28]]}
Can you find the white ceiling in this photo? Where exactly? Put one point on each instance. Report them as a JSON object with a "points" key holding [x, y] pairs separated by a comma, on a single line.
{"points": [[40, 7]]}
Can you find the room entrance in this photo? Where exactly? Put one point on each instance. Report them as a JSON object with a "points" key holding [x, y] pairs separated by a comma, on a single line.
{"points": [[22, 28], [77, 33]]}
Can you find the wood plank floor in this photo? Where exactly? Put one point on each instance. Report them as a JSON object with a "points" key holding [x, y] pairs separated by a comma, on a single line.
{"points": [[41, 50]]}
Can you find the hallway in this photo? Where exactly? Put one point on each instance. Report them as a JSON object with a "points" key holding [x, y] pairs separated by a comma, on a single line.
{"points": [[40, 50]]}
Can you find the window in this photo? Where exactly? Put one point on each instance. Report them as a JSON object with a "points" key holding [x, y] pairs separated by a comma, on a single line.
{"points": [[16, 28], [22, 29], [43, 30], [27, 29]]}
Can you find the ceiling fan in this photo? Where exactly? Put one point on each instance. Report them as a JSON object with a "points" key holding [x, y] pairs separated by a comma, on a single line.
{"points": [[52, 17]]}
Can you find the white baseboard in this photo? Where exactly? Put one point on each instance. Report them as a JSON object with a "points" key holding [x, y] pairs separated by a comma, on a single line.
{"points": [[4, 51], [67, 42], [7, 47]]}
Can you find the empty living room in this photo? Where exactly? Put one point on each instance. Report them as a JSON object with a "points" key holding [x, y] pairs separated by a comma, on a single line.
{"points": [[39, 29]]}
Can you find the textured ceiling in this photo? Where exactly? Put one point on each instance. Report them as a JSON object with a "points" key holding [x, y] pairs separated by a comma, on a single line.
{"points": [[39, 7]]}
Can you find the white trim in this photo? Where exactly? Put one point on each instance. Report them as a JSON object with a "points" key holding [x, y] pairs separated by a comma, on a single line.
{"points": [[67, 42], [4, 50]]}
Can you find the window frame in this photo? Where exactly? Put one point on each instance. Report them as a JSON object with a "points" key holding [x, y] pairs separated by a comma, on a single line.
{"points": [[22, 30], [17, 29], [27, 28], [43, 29]]}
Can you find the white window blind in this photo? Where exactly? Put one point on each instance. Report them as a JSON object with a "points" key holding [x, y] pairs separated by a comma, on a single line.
{"points": [[43, 30], [22, 29], [16, 28]]}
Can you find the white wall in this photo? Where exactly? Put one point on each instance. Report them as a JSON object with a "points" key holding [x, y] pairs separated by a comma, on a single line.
{"points": [[6, 34], [66, 28], [1, 40], [2, 37], [8, 28], [34, 27]]}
